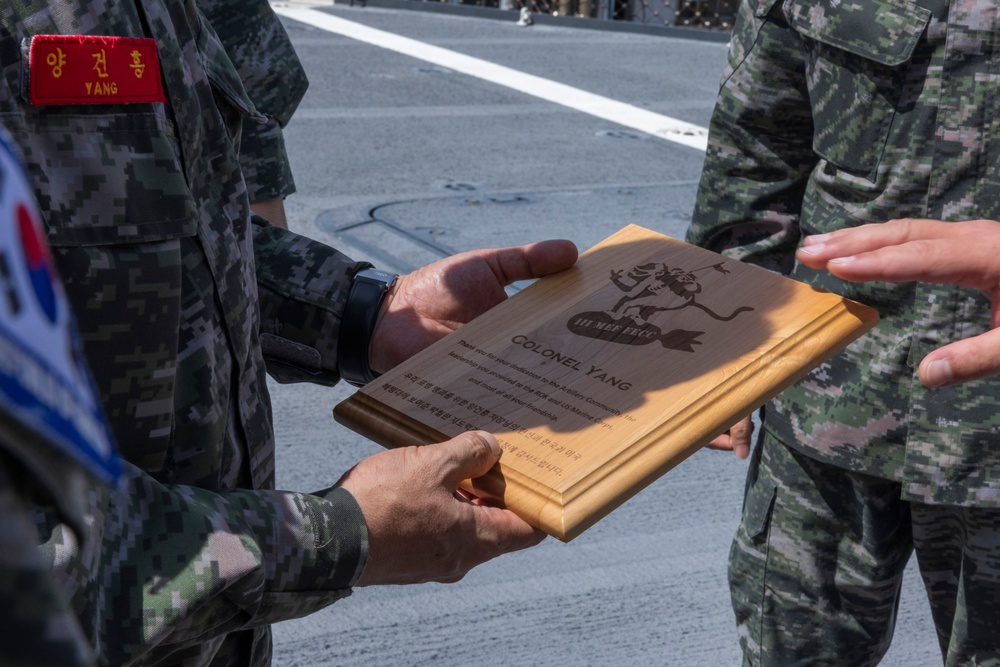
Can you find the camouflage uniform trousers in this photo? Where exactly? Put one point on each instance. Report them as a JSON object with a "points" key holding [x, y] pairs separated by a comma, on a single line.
{"points": [[817, 563]]}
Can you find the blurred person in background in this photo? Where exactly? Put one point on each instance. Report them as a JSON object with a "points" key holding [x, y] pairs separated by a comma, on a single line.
{"points": [[259, 47]]}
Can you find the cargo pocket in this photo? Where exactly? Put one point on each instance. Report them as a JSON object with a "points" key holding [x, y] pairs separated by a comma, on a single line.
{"points": [[856, 74], [759, 497], [748, 557], [117, 210]]}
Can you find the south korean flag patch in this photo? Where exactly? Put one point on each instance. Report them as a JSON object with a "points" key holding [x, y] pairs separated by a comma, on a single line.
{"points": [[44, 381]]}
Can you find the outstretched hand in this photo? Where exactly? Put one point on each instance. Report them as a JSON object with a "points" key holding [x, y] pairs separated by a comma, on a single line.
{"points": [[437, 299], [960, 253], [419, 528]]}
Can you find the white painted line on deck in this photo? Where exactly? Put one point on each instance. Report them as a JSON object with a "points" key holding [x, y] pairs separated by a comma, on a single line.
{"points": [[617, 112]]}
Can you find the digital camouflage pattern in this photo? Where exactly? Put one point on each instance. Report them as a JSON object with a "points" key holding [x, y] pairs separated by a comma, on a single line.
{"points": [[830, 115], [148, 217], [44, 461], [264, 161], [793, 539], [815, 579], [38, 457], [38, 627], [257, 42]]}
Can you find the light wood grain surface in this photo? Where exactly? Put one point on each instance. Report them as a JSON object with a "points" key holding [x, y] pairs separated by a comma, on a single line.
{"points": [[600, 379]]}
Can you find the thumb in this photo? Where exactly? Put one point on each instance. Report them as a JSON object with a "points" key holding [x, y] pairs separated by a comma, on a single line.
{"points": [[740, 434], [968, 359], [469, 455]]}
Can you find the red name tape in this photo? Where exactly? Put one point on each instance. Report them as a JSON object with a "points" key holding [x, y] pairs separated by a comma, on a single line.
{"points": [[87, 69]]}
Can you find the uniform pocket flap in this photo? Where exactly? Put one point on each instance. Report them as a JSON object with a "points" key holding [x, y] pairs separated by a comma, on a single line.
{"points": [[222, 72], [882, 31], [109, 177], [757, 511]]}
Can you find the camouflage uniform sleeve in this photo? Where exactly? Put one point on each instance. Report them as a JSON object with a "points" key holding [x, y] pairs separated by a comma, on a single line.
{"points": [[264, 160], [186, 566], [302, 286], [38, 626], [263, 54], [760, 145]]}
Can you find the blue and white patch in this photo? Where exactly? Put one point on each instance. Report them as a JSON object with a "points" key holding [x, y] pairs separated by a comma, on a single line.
{"points": [[44, 381]]}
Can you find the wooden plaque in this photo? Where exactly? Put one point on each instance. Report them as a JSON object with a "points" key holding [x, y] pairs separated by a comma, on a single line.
{"points": [[599, 379]]}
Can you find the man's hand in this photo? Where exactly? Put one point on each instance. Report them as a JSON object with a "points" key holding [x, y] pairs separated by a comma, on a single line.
{"points": [[737, 438], [961, 253], [433, 301], [419, 528]]}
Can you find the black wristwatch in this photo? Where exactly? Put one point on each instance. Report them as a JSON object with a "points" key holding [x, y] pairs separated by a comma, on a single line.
{"points": [[358, 324]]}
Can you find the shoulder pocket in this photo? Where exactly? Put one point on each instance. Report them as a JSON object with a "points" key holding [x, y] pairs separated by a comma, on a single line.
{"points": [[859, 53]]}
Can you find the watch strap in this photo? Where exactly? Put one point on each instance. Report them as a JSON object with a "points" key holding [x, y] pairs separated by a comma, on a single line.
{"points": [[368, 292]]}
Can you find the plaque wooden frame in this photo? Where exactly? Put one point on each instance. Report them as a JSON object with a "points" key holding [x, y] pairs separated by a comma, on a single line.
{"points": [[600, 379]]}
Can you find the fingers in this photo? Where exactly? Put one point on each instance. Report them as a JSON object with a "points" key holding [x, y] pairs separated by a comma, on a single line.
{"points": [[503, 531], [467, 456], [866, 238], [433, 301], [740, 435], [959, 253], [962, 253], [938, 261], [736, 439], [472, 455], [418, 529], [534, 260], [965, 360]]}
